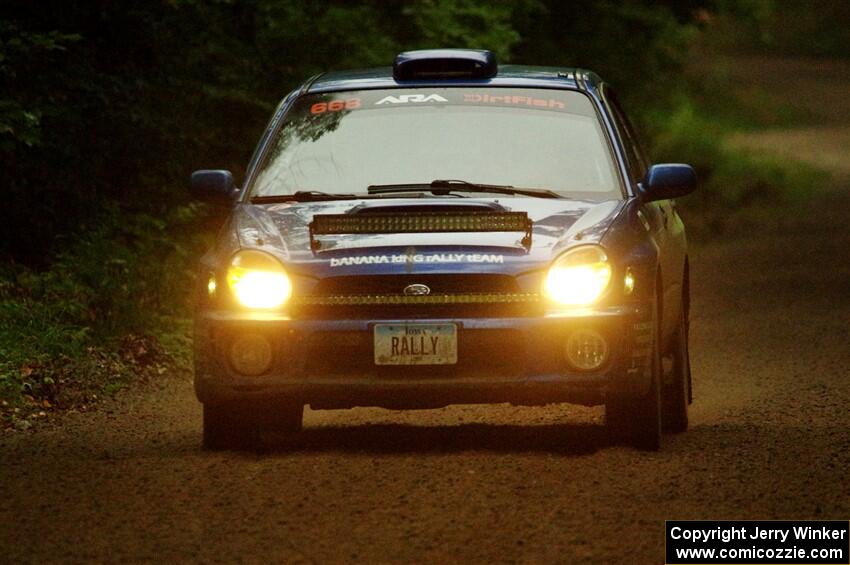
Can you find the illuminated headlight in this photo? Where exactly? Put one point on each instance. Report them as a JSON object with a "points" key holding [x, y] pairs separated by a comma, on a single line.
{"points": [[258, 280], [578, 277]]}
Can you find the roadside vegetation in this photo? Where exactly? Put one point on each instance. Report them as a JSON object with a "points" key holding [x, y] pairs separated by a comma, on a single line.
{"points": [[732, 179], [106, 109], [111, 308]]}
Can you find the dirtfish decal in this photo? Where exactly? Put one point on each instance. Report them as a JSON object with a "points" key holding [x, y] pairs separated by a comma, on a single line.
{"points": [[418, 258], [405, 98]]}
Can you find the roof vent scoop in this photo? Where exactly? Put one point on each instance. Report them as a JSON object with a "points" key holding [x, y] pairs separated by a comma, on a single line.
{"points": [[432, 64]]}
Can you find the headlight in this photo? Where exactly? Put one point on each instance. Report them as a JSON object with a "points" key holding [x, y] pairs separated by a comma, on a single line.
{"points": [[258, 280], [578, 277]]}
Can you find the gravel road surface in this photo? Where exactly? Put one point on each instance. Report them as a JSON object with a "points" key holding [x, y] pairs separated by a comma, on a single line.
{"points": [[770, 438]]}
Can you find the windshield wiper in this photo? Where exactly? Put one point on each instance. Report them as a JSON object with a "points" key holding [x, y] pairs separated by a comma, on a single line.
{"points": [[304, 196], [445, 186]]}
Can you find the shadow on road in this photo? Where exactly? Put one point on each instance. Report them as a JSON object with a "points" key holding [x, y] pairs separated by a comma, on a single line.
{"points": [[563, 439]]}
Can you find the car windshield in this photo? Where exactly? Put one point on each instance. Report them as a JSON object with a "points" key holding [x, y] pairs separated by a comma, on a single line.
{"points": [[344, 142]]}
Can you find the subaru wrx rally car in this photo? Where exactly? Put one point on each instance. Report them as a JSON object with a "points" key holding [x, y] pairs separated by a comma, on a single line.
{"points": [[446, 231]]}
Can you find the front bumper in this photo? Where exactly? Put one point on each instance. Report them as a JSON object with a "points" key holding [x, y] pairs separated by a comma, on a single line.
{"points": [[329, 363]]}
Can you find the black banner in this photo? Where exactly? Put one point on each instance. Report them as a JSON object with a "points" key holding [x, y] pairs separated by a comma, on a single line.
{"points": [[694, 542]]}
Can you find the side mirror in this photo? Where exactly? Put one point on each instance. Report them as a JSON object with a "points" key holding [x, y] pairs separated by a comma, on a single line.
{"points": [[666, 181], [213, 185]]}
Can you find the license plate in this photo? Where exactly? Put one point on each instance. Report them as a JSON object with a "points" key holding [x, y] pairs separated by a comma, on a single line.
{"points": [[415, 344]]}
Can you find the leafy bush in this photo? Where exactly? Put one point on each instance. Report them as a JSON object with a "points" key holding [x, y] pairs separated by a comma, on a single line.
{"points": [[730, 178], [113, 302], [783, 27]]}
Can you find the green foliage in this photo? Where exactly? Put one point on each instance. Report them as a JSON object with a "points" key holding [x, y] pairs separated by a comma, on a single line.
{"points": [[130, 274], [784, 27], [730, 178], [464, 23], [126, 268], [20, 118], [637, 46], [735, 103]]}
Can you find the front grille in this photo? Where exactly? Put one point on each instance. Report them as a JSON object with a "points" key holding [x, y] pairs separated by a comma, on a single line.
{"points": [[415, 311], [395, 284]]}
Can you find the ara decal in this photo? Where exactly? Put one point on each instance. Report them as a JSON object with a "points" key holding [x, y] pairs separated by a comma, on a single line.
{"points": [[407, 98]]}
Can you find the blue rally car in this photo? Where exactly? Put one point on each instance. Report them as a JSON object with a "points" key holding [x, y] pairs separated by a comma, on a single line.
{"points": [[446, 231]]}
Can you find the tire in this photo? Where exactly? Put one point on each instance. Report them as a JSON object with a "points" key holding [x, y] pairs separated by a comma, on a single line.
{"points": [[636, 419], [676, 390]]}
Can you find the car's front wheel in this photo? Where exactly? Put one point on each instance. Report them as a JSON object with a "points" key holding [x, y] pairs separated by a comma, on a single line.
{"points": [[676, 391], [636, 419]]}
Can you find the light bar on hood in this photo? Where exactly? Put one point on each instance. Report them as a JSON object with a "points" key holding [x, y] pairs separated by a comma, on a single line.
{"points": [[421, 222]]}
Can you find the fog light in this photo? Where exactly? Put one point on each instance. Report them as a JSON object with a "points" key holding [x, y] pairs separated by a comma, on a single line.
{"points": [[251, 354], [586, 350]]}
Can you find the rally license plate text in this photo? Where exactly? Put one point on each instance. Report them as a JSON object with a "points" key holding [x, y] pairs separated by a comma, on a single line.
{"points": [[415, 344]]}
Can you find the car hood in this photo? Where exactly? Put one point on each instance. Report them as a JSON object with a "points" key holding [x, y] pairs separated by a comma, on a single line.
{"points": [[284, 231]]}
